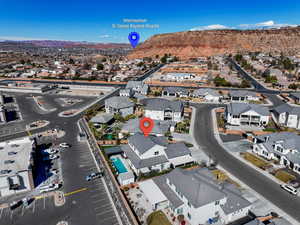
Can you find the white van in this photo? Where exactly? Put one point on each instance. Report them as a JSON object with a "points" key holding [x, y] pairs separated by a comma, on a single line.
{"points": [[289, 189]]}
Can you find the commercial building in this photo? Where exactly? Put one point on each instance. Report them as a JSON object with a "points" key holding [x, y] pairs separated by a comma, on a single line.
{"points": [[16, 166], [26, 87]]}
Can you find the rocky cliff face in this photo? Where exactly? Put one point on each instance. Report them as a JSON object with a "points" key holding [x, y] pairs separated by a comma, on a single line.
{"points": [[212, 42]]}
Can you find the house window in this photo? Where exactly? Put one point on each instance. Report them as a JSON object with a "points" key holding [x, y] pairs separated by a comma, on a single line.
{"points": [[156, 153], [235, 117], [217, 202], [189, 216], [180, 211]]}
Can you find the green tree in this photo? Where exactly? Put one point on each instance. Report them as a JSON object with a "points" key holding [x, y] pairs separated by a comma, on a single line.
{"points": [[245, 84], [293, 86], [100, 66], [271, 79]]}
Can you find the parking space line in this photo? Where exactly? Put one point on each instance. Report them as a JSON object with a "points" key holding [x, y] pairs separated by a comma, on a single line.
{"points": [[11, 214], [104, 212], [23, 210], [1, 212], [104, 206]]}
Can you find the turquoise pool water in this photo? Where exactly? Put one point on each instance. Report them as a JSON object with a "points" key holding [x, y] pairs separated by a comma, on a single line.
{"points": [[119, 165]]}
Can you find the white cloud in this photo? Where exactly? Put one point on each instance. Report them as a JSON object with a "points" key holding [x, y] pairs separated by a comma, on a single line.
{"points": [[104, 36], [210, 27], [265, 24]]}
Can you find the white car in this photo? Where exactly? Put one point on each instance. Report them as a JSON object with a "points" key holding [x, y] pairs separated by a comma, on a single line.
{"points": [[50, 151], [53, 156], [289, 189], [51, 187], [50, 157], [54, 171], [64, 145]]}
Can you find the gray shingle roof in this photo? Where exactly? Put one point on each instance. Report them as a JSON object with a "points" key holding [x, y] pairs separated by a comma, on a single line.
{"points": [[235, 201], [160, 127], [238, 108], [176, 90], [176, 150], [241, 93], [102, 118], [142, 163], [288, 140], [160, 181], [206, 91], [119, 102], [134, 84], [283, 108], [160, 104], [142, 143], [195, 187]]}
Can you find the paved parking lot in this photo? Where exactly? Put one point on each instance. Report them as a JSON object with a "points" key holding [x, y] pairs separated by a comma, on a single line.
{"points": [[87, 202]]}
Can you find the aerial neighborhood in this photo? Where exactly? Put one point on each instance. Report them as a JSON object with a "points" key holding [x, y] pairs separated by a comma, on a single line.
{"points": [[199, 127]]}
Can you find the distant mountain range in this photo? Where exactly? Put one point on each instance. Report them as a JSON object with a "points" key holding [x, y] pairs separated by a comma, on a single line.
{"points": [[191, 44], [71, 44]]}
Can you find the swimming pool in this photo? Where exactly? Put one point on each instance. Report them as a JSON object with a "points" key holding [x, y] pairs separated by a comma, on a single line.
{"points": [[119, 165]]}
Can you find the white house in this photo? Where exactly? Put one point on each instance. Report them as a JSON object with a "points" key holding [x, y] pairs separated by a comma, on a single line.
{"points": [[282, 146], [152, 153], [287, 115], [175, 92], [163, 109], [197, 196], [246, 114], [178, 77], [207, 94], [127, 92], [138, 87], [242, 96], [121, 105]]}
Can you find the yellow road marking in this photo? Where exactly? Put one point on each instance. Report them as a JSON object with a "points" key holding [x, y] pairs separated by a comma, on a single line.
{"points": [[40, 197], [74, 192]]}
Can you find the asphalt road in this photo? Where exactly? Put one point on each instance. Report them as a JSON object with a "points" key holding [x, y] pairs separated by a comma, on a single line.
{"points": [[87, 202], [203, 133]]}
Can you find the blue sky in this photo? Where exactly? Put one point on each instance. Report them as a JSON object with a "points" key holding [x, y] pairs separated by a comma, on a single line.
{"points": [[92, 20]]}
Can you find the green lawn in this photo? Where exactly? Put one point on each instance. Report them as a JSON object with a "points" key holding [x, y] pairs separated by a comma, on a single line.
{"points": [[158, 218]]}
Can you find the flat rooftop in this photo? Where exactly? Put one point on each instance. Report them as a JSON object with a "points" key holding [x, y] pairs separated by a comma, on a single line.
{"points": [[19, 152]]}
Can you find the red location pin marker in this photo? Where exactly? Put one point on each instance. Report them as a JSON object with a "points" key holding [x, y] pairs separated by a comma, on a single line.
{"points": [[146, 125]]}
